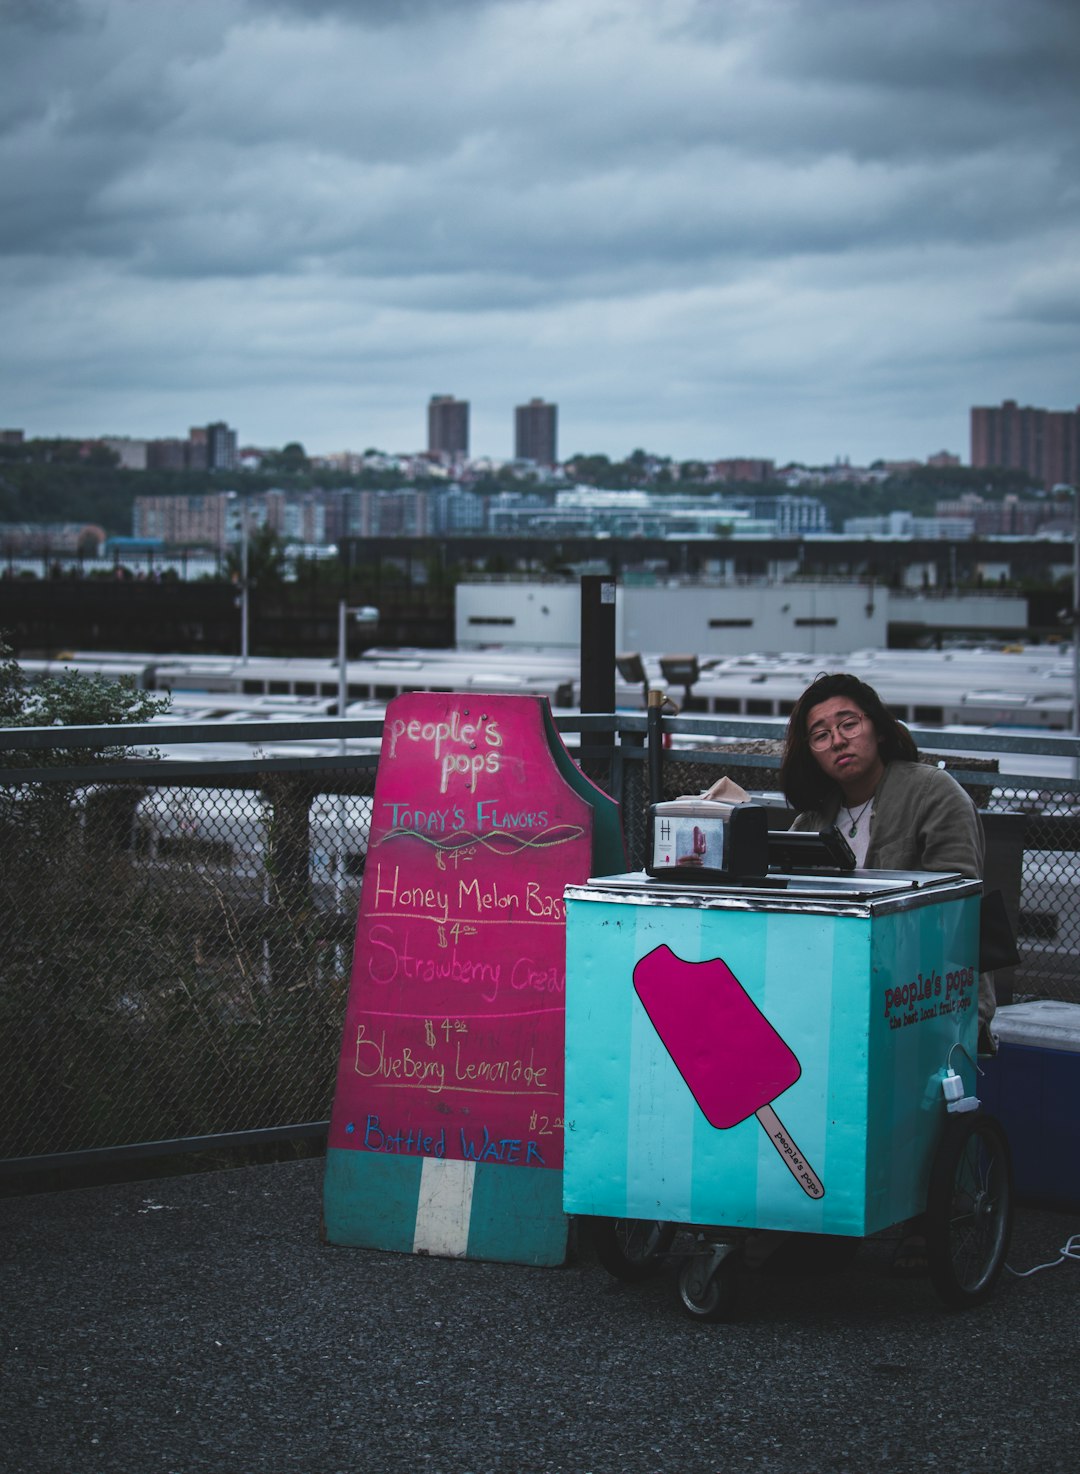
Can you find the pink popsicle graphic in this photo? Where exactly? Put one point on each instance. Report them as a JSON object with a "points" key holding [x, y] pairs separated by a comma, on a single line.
{"points": [[732, 1059]]}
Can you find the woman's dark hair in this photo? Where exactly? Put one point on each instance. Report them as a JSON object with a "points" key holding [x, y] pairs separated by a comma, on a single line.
{"points": [[804, 784]]}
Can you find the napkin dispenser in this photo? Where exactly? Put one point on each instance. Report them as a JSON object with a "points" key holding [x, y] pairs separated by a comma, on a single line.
{"points": [[699, 839]]}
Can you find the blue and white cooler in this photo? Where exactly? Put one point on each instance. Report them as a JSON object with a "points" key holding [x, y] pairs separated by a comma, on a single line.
{"points": [[1033, 1087]]}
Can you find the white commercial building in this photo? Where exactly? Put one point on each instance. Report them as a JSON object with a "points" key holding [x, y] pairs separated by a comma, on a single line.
{"points": [[729, 618]]}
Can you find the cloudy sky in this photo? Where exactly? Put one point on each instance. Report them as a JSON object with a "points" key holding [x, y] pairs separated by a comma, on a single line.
{"points": [[799, 229]]}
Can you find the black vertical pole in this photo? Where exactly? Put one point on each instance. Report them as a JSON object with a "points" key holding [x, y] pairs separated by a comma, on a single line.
{"points": [[655, 731], [597, 654]]}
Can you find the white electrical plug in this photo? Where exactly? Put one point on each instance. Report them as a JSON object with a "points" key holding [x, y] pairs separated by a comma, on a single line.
{"points": [[952, 1087]]}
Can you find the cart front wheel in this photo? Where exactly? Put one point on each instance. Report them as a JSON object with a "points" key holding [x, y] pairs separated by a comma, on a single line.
{"points": [[631, 1249], [709, 1291], [969, 1209]]}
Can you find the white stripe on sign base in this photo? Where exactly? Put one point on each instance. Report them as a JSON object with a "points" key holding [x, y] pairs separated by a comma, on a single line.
{"points": [[444, 1207]]}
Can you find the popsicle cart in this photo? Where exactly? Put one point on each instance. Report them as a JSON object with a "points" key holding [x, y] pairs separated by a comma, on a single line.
{"points": [[795, 1053]]}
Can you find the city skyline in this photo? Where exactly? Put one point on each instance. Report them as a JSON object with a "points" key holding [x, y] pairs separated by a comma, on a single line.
{"points": [[1044, 444], [801, 229]]}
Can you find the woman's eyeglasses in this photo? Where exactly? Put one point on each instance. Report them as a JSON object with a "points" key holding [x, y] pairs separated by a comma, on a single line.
{"points": [[846, 727]]}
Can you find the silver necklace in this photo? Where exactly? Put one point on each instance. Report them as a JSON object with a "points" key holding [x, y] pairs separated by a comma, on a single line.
{"points": [[856, 819]]}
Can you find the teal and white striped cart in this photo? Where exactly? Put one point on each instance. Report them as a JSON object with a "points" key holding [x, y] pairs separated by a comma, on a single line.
{"points": [[797, 1055]]}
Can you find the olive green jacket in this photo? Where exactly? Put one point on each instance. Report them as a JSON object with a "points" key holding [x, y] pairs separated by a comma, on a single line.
{"points": [[921, 820]]}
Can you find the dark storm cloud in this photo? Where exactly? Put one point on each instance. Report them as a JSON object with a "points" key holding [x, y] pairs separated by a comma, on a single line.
{"points": [[999, 50]]}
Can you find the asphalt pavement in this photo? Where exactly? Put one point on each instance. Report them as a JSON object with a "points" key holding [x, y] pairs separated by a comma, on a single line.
{"points": [[198, 1323]]}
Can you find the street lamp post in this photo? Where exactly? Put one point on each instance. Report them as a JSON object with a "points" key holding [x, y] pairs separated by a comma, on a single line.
{"points": [[342, 665], [244, 582], [364, 615]]}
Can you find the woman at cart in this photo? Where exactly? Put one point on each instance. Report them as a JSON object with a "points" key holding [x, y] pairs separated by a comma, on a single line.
{"points": [[848, 761]]}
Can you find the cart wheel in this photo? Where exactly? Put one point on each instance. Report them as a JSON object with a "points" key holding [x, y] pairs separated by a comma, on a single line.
{"points": [[709, 1291], [631, 1249], [969, 1209]]}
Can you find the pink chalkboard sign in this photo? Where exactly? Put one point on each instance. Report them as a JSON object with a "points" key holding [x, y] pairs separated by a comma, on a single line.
{"points": [[453, 1041]]}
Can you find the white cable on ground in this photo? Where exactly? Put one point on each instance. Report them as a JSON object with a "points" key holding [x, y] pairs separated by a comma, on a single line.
{"points": [[1070, 1250]]}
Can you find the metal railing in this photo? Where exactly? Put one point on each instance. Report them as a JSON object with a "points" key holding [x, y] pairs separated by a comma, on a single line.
{"points": [[176, 934]]}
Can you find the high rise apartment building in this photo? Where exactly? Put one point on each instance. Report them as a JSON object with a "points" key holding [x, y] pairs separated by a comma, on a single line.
{"points": [[1044, 443], [536, 432], [178, 521], [212, 448], [448, 426], [402, 513], [221, 450]]}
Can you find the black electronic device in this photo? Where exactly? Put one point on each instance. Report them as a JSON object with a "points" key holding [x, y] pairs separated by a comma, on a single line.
{"points": [[809, 849]]}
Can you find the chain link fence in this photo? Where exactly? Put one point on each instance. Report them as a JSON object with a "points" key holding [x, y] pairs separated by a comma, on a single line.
{"points": [[175, 957], [1048, 925]]}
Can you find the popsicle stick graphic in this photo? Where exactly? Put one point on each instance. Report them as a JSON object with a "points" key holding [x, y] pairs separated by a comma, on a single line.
{"points": [[732, 1059]]}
